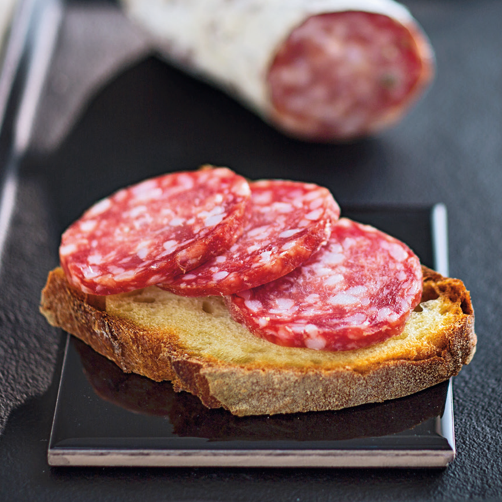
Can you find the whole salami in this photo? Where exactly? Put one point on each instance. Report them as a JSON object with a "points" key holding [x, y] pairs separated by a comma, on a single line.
{"points": [[155, 230], [359, 289], [288, 221], [321, 70]]}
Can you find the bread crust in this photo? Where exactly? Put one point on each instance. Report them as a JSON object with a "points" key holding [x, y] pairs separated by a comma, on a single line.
{"points": [[258, 389]]}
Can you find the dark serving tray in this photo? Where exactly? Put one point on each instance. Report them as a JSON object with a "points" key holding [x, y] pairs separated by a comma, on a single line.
{"points": [[107, 418]]}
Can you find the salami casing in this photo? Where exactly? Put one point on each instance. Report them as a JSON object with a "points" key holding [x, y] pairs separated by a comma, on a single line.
{"points": [[154, 230], [288, 221], [359, 289], [321, 70]]}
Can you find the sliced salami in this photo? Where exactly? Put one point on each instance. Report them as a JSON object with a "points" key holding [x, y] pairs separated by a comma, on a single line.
{"points": [[359, 289], [288, 222], [347, 74], [155, 230]]}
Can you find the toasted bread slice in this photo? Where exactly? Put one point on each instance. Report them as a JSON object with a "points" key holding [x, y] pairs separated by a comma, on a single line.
{"points": [[194, 343]]}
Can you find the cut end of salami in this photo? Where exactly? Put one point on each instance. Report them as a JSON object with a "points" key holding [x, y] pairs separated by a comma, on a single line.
{"points": [[347, 74], [155, 230], [288, 221], [358, 290]]}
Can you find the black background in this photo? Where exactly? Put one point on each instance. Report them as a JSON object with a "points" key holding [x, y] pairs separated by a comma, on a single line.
{"points": [[150, 119]]}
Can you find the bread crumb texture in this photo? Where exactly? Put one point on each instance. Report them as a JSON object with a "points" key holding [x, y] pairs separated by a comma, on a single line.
{"points": [[205, 328]]}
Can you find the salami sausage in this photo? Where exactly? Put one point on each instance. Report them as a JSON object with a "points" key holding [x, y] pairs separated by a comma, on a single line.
{"points": [[359, 289], [346, 74], [288, 222], [154, 230], [326, 70]]}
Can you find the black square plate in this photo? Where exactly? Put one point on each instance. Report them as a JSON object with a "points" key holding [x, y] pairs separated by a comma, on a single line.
{"points": [[107, 418]]}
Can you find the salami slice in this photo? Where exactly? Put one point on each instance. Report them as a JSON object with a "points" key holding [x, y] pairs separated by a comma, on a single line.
{"points": [[325, 70], [347, 74], [288, 222], [152, 231], [359, 289]]}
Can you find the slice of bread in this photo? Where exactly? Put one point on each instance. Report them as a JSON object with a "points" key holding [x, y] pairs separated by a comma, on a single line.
{"points": [[194, 343]]}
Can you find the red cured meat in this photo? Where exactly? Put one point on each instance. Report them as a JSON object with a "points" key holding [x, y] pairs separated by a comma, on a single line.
{"points": [[152, 231], [356, 291], [347, 74], [288, 222]]}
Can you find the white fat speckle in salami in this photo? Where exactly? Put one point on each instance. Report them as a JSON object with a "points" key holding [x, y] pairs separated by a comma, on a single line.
{"points": [[67, 249], [284, 303], [397, 252], [315, 343], [312, 298], [383, 314], [99, 207], [213, 220], [357, 290], [315, 203], [90, 273], [258, 231], [289, 233], [266, 256], [314, 215], [333, 279], [334, 258], [253, 305], [288, 245], [347, 295], [170, 246], [281, 207], [95, 259], [88, 226], [176, 222], [191, 276], [136, 211], [349, 242], [273, 242], [115, 270], [343, 299], [155, 230], [220, 275], [142, 253]]}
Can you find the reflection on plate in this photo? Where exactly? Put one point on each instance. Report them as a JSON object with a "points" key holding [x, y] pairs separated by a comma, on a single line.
{"points": [[190, 418]]}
